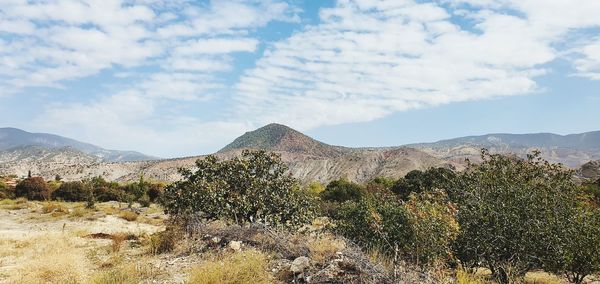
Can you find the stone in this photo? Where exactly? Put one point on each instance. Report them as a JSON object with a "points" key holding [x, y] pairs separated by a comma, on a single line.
{"points": [[299, 264], [235, 245]]}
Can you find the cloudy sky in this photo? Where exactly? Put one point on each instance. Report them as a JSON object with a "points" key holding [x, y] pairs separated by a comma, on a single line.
{"points": [[176, 77]]}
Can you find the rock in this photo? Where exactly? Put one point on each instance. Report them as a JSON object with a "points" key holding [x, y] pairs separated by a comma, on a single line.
{"points": [[235, 245], [299, 264], [216, 240]]}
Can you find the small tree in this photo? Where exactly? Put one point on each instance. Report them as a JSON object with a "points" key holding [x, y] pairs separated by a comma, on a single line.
{"points": [[33, 188], [342, 190], [250, 188], [417, 181], [512, 213], [73, 191]]}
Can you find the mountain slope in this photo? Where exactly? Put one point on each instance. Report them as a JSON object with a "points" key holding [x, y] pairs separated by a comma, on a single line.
{"points": [[572, 150], [13, 138], [277, 137]]}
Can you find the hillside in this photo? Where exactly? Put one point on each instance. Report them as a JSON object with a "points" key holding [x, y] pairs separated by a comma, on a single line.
{"points": [[310, 159], [277, 137], [572, 150], [14, 138]]}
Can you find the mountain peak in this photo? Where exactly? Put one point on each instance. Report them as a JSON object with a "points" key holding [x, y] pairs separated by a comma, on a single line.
{"points": [[278, 137]]}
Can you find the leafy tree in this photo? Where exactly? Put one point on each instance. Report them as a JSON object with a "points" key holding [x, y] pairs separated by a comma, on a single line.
{"points": [[579, 253], [250, 188], [342, 190], [33, 188], [417, 181], [73, 191], [513, 213]]}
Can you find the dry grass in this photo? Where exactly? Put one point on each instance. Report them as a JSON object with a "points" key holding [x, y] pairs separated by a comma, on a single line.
{"points": [[14, 204], [129, 215], [49, 259], [463, 277], [325, 247], [54, 208], [540, 277], [126, 273], [243, 267]]}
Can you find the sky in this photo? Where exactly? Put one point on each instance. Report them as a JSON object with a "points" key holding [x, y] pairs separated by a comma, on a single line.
{"points": [[177, 78]]}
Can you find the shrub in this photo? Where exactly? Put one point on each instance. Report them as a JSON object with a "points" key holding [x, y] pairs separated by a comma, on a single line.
{"points": [[420, 231], [253, 187], [73, 191], [242, 267], [376, 223], [33, 188], [512, 213], [315, 188], [156, 191], [54, 207], [129, 215], [107, 193], [6, 191], [164, 241], [342, 190], [418, 181]]}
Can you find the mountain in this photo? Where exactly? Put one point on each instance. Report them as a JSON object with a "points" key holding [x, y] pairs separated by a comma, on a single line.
{"points": [[13, 138], [277, 137], [572, 150], [309, 159]]}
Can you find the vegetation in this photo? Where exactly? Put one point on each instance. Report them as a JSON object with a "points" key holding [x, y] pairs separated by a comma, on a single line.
{"points": [[252, 188], [342, 190], [513, 214], [33, 188], [73, 191], [418, 181], [243, 267]]}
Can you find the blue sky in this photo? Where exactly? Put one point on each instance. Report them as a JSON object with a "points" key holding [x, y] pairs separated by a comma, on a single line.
{"points": [[175, 78]]}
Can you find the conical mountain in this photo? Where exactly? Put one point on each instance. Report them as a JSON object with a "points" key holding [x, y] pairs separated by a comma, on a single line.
{"points": [[277, 137]]}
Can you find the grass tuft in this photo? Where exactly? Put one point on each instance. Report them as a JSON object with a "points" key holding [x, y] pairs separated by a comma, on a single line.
{"points": [[243, 267]]}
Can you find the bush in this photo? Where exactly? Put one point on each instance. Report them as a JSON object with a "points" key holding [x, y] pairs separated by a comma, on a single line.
{"points": [[164, 241], [33, 188], [418, 181], [6, 191], [421, 230], [250, 188], [315, 188], [73, 191], [129, 215], [342, 190], [513, 213], [156, 191], [107, 193]]}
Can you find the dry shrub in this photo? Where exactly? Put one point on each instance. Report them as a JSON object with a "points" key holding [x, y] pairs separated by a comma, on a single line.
{"points": [[129, 215], [164, 241], [243, 267], [325, 247], [54, 207], [117, 241], [129, 273]]}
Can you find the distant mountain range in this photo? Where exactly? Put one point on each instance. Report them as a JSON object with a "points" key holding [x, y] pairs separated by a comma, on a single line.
{"points": [[307, 158], [13, 139]]}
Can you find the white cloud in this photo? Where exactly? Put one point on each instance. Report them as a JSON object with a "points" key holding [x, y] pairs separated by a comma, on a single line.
{"points": [[369, 58]]}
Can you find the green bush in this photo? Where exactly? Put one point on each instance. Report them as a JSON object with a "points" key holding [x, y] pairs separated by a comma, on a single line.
{"points": [[72, 191], [109, 193], [155, 191], [33, 188], [417, 181], [342, 190], [421, 230], [513, 213], [253, 187], [6, 191]]}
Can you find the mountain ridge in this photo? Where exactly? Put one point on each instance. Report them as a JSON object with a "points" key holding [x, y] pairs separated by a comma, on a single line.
{"points": [[11, 138]]}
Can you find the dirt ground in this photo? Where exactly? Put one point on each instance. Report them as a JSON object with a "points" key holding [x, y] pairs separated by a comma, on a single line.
{"points": [[58, 242]]}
